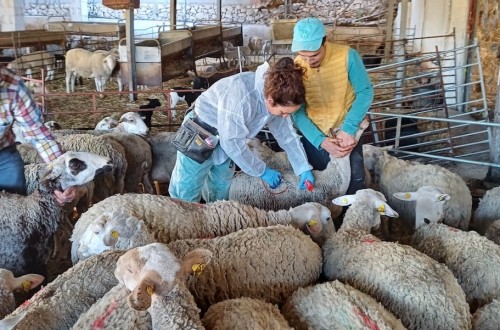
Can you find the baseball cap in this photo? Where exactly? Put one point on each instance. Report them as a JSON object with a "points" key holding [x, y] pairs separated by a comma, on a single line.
{"points": [[308, 34]]}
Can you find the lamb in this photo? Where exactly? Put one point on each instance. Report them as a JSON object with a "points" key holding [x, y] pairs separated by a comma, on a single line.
{"points": [[334, 305], [396, 175], [486, 318], [26, 63], [146, 115], [487, 214], [244, 313], [88, 65], [59, 304], [112, 312], [27, 223], [188, 96], [157, 280], [331, 182], [267, 263], [9, 284], [418, 290], [473, 259], [124, 221]]}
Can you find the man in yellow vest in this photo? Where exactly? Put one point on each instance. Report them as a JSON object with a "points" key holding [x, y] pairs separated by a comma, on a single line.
{"points": [[338, 95]]}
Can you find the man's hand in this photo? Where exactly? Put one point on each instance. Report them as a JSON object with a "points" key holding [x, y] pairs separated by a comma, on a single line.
{"points": [[66, 196], [346, 140], [332, 146]]}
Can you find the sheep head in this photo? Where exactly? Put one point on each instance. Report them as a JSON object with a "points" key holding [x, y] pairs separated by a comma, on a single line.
{"points": [[313, 219]]}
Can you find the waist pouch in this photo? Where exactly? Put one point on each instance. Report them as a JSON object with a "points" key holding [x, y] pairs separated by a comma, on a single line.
{"points": [[194, 141]]}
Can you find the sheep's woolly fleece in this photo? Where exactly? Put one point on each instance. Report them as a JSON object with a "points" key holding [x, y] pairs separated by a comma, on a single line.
{"points": [[244, 313], [487, 317], [263, 263]]}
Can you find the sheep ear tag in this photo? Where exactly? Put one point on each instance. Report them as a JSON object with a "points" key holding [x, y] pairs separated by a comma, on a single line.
{"points": [[344, 200], [405, 196], [198, 269], [115, 234], [26, 285], [443, 197], [150, 290], [314, 226], [384, 209]]}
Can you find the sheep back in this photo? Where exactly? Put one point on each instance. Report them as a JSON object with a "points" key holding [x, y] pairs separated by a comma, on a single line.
{"points": [[334, 305], [473, 259], [244, 313], [418, 290], [59, 304], [164, 156], [486, 318], [487, 211], [262, 263]]}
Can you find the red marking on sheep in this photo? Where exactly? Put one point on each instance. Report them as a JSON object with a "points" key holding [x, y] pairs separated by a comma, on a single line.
{"points": [[99, 322], [368, 240], [366, 319]]}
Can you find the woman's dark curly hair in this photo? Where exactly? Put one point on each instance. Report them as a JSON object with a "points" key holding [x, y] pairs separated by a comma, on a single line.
{"points": [[284, 83]]}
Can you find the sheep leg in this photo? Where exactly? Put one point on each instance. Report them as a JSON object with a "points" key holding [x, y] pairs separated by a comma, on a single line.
{"points": [[50, 73], [147, 184], [29, 73], [70, 82]]}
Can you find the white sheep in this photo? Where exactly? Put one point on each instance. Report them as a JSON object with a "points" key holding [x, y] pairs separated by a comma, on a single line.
{"points": [[418, 290], [244, 313], [334, 305], [26, 63], [395, 175], [487, 214], [9, 283], [60, 303], [116, 71], [27, 223], [88, 65], [473, 259], [330, 183], [486, 318], [267, 263], [131, 122], [112, 312], [129, 220], [156, 279]]}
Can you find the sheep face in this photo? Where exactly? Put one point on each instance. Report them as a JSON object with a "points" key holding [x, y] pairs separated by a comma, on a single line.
{"points": [[106, 124], [429, 206], [314, 219], [132, 123], [76, 168]]}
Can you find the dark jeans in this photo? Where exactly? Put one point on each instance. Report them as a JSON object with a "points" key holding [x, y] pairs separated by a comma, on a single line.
{"points": [[12, 171], [319, 160]]}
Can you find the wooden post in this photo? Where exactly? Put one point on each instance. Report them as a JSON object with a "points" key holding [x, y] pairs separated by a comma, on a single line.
{"points": [[129, 30], [494, 172]]}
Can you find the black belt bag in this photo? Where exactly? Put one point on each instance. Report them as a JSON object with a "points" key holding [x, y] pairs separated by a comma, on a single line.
{"points": [[194, 141]]}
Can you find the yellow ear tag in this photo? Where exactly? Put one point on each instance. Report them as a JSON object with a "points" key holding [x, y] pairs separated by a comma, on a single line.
{"points": [[381, 208], [150, 290], [407, 195], [312, 223], [441, 198], [198, 269], [344, 201], [26, 285], [115, 234]]}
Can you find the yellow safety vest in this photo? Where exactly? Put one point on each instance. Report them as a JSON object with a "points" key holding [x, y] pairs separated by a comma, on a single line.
{"points": [[329, 94]]}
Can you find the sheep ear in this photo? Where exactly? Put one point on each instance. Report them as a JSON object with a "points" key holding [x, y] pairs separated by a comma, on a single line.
{"points": [[27, 282], [52, 171], [195, 262], [140, 298], [443, 197], [384, 209], [406, 196], [344, 200], [99, 224], [314, 226]]}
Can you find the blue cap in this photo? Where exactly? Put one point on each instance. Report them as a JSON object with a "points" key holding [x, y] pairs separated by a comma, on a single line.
{"points": [[308, 34]]}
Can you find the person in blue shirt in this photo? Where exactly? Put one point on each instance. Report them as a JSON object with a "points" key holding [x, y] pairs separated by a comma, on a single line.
{"points": [[338, 95], [237, 108]]}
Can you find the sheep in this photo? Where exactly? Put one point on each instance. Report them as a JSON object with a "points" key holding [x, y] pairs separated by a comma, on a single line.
{"points": [[124, 221], [331, 182], [131, 122], [116, 71], [88, 65], [146, 115], [244, 313], [493, 232], [189, 97], [334, 305], [106, 124], [267, 263], [60, 303], [473, 259], [112, 312], [157, 280], [26, 63], [486, 318], [164, 158], [9, 283], [27, 223], [396, 175], [234, 54], [486, 215], [418, 290], [205, 82]]}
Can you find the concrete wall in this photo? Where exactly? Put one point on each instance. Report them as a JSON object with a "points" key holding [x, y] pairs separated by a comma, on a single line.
{"points": [[11, 15]]}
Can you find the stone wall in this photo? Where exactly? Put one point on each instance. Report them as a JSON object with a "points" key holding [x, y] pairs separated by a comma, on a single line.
{"points": [[249, 11]]}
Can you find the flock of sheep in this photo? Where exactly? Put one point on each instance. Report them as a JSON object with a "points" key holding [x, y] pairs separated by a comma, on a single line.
{"points": [[266, 258]]}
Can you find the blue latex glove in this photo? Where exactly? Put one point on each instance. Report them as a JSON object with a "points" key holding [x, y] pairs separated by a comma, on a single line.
{"points": [[272, 177], [306, 176]]}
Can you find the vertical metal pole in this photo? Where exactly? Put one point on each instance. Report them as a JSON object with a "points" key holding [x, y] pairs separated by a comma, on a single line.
{"points": [[129, 30], [400, 51], [173, 13], [445, 104], [218, 10]]}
